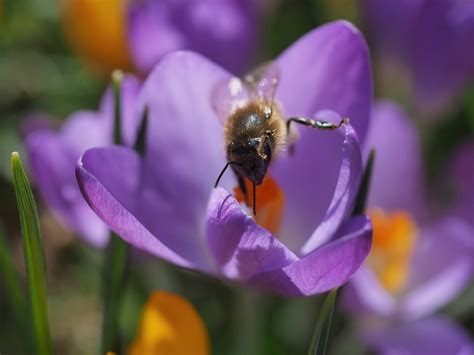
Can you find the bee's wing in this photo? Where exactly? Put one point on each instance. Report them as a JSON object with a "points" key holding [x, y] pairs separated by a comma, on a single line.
{"points": [[228, 95], [263, 81], [260, 84]]}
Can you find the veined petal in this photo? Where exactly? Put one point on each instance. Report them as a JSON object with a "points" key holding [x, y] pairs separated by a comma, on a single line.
{"points": [[319, 184], [240, 247], [185, 139], [328, 68], [113, 182], [170, 325], [327, 267]]}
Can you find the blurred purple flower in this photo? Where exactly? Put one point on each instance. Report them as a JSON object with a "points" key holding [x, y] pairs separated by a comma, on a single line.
{"points": [[223, 30], [433, 336], [416, 265], [441, 259], [53, 155], [462, 177], [163, 202], [432, 39]]}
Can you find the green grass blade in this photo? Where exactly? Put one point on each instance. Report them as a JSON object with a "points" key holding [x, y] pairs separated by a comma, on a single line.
{"points": [[363, 193], [140, 140], [14, 289], [321, 333], [117, 77], [34, 256]]}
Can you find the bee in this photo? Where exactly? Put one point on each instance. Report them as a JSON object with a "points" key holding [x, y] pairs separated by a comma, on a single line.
{"points": [[255, 131]]}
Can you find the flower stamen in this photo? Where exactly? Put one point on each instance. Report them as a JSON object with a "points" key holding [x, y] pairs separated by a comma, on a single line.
{"points": [[392, 248], [270, 203]]}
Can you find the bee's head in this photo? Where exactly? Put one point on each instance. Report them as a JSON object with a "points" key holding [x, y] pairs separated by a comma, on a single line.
{"points": [[250, 158]]}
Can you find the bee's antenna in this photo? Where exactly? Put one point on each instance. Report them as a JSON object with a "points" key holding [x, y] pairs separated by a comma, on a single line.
{"points": [[222, 173], [254, 199]]}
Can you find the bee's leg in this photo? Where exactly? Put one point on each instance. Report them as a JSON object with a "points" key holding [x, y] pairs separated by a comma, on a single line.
{"points": [[315, 123]]}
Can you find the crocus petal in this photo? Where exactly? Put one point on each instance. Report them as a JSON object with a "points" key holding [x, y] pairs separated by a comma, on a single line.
{"points": [[444, 27], [170, 325], [434, 336], [319, 198], [328, 68], [410, 31], [240, 247], [52, 159], [391, 23], [224, 31], [111, 180], [396, 182], [185, 141], [365, 294], [462, 176], [442, 267], [325, 268], [151, 33]]}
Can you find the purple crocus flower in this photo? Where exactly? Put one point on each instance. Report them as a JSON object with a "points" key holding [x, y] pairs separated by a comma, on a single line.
{"points": [[164, 202], [416, 264], [462, 176], [432, 39], [434, 336], [53, 155], [222, 30]]}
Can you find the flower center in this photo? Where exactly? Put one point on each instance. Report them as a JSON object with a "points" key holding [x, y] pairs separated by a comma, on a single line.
{"points": [[392, 248], [270, 202]]}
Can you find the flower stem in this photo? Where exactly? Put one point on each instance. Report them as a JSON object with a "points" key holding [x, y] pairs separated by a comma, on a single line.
{"points": [[113, 284], [323, 326], [114, 269]]}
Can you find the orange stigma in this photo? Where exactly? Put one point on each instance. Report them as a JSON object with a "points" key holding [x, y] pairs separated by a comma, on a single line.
{"points": [[270, 202], [392, 248]]}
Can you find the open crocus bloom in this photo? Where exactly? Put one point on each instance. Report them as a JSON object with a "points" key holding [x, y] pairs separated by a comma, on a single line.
{"points": [[410, 31], [170, 325], [53, 156], [163, 202], [415, 266]]}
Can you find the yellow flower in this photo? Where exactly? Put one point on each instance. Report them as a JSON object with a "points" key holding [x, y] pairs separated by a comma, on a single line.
{"points": [[96, 30], [170, 326]]}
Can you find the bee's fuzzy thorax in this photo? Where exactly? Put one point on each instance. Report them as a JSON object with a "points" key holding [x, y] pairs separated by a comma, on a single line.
{"points": [[237, 127]]}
